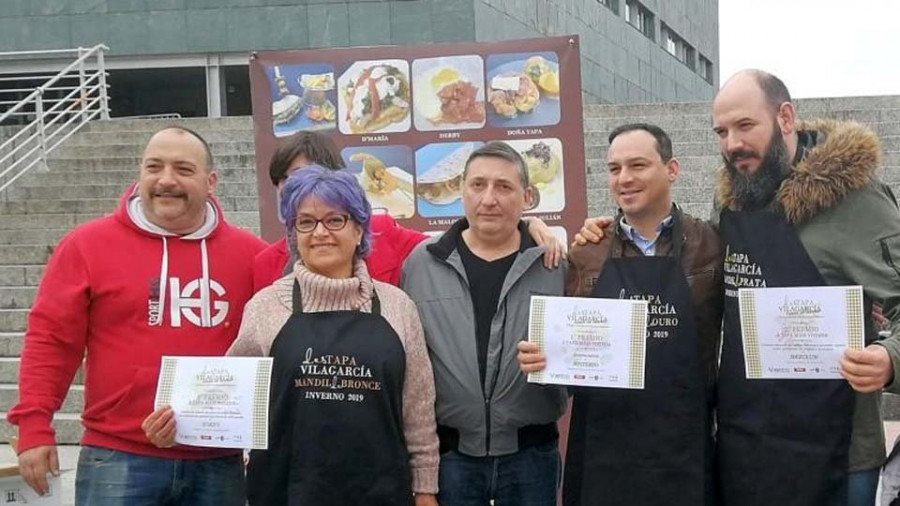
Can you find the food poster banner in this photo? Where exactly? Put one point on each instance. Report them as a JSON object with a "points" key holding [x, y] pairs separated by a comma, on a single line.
{"points": [[406, 118]]}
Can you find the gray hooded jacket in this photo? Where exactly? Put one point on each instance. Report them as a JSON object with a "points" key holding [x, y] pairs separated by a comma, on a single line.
{"points": [[486, 416]]}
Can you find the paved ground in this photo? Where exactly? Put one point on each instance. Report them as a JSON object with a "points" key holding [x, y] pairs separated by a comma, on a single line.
{"points": [[68, 456]]}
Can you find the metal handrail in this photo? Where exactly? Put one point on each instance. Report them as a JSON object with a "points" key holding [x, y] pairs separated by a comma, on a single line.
{"points": [[66, 113]]}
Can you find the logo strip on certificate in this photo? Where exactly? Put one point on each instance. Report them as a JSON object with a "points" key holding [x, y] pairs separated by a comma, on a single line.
{"points": [[261, 405], [855, 325], [751, 334], [538, 311], [638, 345], [167, 375]]}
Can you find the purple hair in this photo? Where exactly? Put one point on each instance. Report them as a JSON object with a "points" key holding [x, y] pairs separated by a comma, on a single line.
{"points": [[336, 188]]}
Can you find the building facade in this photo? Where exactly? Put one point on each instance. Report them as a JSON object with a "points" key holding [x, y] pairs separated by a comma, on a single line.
{"points": [[190, 56]]}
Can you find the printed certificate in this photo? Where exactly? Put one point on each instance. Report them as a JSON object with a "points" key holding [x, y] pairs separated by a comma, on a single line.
{"points": [[590, 342], [800, 332], [219, 402]]}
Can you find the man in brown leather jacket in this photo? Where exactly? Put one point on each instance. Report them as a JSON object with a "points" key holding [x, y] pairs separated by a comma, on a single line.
{"points": [[651, 446]]}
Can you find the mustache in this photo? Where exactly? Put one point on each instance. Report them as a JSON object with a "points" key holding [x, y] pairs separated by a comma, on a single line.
{"points": [[739, 154]]}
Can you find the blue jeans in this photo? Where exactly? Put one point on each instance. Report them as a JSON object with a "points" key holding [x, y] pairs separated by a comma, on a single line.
{"points": [[862, 486], [529, 477], [113, 478]]}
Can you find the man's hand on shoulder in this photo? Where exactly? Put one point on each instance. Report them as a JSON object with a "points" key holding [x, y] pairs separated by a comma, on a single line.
{"points": [[543, 236], [867, 370], [35, 463], [592, 230]]}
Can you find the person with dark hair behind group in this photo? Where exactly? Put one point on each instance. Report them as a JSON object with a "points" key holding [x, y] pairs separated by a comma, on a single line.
{"points": [[652, 446], [391, 243]]}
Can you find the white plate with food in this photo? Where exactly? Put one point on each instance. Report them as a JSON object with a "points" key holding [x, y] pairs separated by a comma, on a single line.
{"points": [[386, 187], [374, 97], [448, 93]]}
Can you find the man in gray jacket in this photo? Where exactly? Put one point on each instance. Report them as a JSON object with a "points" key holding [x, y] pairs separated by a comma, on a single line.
{"points": [[473, 286]]}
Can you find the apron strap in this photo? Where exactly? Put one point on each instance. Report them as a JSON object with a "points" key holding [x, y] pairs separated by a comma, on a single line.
{"points": [[376, 304], [677, 235], [297, 301]]}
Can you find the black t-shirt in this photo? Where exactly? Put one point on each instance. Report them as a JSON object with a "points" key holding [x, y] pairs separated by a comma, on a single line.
{"points": [[485, 283]]}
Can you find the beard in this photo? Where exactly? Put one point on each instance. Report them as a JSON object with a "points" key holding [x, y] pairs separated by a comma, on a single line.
{"points": [[753, 191]]}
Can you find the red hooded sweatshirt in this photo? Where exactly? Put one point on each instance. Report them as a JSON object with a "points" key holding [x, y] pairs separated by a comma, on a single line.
{"points": [[391, 244], [126, 295]]}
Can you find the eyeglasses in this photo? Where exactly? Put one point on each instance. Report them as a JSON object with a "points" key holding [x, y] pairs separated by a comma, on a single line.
{"points": [[334, 222]]}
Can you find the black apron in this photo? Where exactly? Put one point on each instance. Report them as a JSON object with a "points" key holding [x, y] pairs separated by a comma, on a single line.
{"points": [[336, 419], [780, 442], [646, 447]]}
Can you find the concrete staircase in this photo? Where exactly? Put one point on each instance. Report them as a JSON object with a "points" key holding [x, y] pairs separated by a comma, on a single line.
{"points": [[87, 175]]}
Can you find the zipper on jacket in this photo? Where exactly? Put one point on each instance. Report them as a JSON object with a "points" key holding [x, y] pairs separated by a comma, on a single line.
{"points": [[489, 395], [487, 426]]}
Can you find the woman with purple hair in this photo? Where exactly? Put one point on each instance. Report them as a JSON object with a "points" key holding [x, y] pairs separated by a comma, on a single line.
{"points": [[352, 400]]}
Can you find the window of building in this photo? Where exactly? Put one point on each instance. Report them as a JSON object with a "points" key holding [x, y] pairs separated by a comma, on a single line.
{"points": [[612, 5], [640, 17], [677, 47], [706, 69], [687, 56]]}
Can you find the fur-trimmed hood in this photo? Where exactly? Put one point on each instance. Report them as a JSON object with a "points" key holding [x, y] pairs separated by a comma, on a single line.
{"points": [[845, 161]]}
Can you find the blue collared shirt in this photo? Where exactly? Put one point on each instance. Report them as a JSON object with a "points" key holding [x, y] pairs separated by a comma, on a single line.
{"points": [[647, 247]]}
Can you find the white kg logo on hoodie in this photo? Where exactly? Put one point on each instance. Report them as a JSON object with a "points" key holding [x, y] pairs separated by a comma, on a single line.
{"points": [[192, 303]]}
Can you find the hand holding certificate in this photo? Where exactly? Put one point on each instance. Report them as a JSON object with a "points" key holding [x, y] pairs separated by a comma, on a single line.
{"points": [[219, 402], [590, 342], [800, 332]]}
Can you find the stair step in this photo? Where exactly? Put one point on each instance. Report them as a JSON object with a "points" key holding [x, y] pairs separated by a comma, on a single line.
{"points": [[35, 191], [140, 138], [13, 320], [200, 125], [67, 426], [135, 150], [17, 297], [9, 371], [58, 206], [25, 254], [11, 344], [73, 404], [36, 221], [57, 163], [103, 206], [20, 275], [124, 177]]}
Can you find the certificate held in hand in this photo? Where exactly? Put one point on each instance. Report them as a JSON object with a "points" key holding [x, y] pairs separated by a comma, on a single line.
{"points": [[590, 342], [799, 332], [219, 402]]}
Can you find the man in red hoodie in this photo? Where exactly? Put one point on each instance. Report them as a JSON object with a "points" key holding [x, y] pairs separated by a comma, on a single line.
{"points": [[163, 275], [391, 243]]}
